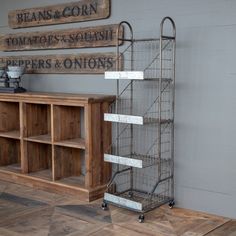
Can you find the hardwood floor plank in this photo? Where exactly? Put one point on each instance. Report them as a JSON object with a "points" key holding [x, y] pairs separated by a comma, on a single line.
{"points": [[228, 229], [7, 232], [116, 230], [192, 222], [25, 211]]}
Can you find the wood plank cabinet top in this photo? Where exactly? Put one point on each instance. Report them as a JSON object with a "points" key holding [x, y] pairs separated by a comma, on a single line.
{"points": [[61, 98]]}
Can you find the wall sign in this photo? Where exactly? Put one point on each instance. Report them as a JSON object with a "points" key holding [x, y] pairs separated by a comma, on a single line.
{"points": [[100, 36], [83, 10], [84, 63]]}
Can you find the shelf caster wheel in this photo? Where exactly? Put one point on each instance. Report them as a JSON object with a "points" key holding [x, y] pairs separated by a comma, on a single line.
{"points": [[141, 219], [130, 194], [171, 204], [104, 206]]}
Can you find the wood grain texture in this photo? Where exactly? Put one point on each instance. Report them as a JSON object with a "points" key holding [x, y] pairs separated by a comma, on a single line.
{"points": [[40, 183], [39, 156], [9, 151], [97, 138], [44, 138], [15, 134], [101, 141], [227, 229], [27, 211], [48, 146], [56, 98], [66, 122], [38, 120], [23, 144], [107, 140], [83, 10], [97, 155], [67, 162], [84, 63], [52, 140], [74, 143], [88, 145], [23, 133], [9, 116], [89, 37]]}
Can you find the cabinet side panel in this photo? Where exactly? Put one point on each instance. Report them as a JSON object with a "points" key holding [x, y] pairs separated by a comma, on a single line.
{"points": [[97, 144], [23, 145], [88, 145], [107, 139]]}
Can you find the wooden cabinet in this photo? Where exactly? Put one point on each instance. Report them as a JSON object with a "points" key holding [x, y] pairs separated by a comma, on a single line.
{"points": [[55, 142]]}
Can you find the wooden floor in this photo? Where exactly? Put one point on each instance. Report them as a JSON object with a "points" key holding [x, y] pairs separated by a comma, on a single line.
{"points": [[25, 211]]}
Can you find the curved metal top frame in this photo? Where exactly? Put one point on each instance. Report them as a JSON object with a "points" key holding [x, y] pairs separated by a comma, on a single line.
{"points": [[123, 39], [167, 18]]}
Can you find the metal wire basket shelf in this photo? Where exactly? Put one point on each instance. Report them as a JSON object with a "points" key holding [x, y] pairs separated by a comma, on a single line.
{"points": [[142, 150]]}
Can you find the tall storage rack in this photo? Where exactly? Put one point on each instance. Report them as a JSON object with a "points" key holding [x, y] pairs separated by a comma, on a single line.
{"points": [[142, 150]]}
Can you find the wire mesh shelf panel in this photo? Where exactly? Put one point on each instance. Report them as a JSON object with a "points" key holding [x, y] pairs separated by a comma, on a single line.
{"points": [[139, 143], [143, 55], [138, 103], [142, 150], [140, 201]]}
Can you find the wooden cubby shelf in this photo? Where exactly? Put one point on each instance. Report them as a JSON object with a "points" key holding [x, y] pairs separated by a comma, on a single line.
{"points": [[39, 156], [9, 120], [44, 138], [15, 134], [55, 142], [74, 143], [37, 122], [10, 154], [64, 171]]}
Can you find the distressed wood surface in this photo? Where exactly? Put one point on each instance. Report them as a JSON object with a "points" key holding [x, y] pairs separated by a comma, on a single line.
{"points": [[26, 211], [84, 63], [55, 98], [99, 36], [83, 10], [46, 151], [228, 229]]}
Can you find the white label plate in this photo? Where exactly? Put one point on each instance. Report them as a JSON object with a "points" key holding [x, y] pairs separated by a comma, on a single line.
{"points": [[136, 75], [138, 120]]}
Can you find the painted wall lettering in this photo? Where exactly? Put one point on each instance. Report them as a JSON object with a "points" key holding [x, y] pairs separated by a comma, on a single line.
{"points": [[83, 10]]}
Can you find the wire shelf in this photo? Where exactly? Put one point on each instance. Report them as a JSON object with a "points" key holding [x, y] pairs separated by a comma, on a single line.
{"points": [[128, 108], [142, 149], [136, 200], [141, 59]]}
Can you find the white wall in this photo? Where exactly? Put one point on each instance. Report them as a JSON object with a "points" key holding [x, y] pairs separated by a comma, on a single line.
{"points": [[205, 92]]}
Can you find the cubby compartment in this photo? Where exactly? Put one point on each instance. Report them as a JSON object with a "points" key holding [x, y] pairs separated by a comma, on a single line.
{"points": [[10, 154], [68, 166], [39, 156], [42, 142], [9, 120], [67, 126], [37, 123]]}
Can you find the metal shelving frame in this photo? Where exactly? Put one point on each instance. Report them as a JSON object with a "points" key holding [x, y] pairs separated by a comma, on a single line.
{"points": [[142, 151]]}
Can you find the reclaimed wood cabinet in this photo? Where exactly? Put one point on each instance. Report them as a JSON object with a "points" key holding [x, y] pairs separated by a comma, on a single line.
{"points": [[55, 142]]}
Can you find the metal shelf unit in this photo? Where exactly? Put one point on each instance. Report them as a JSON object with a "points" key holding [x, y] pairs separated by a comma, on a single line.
{"points": [[142, 151]]}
